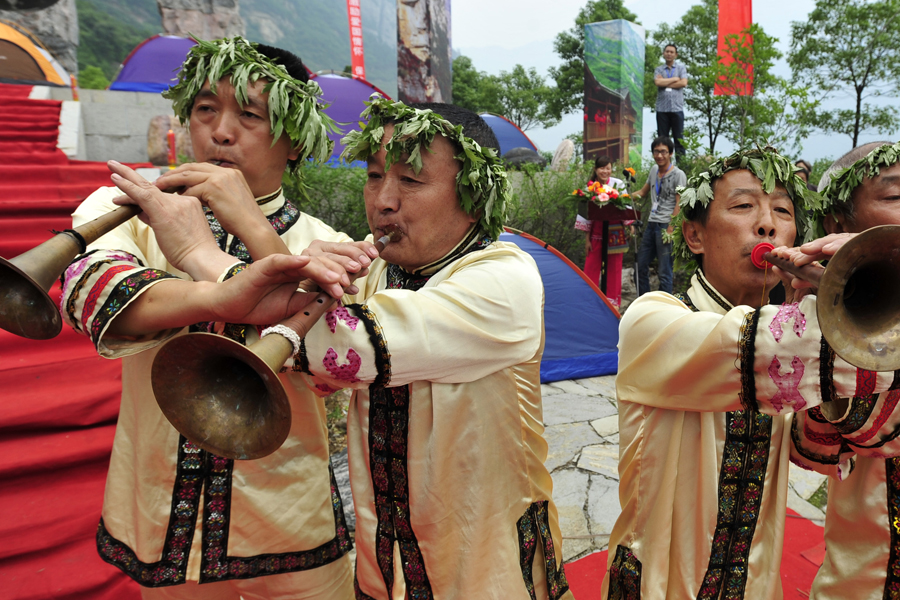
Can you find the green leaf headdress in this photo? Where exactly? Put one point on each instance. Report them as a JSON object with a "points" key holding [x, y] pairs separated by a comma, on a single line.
{"points": [[481, 185], [766, 164], [294, 107], [841, 186]]}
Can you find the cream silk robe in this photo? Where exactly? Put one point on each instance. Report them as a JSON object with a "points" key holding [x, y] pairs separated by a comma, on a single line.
{"points": [[225, 513], [704, 490], [445, 427], [862, 521]]}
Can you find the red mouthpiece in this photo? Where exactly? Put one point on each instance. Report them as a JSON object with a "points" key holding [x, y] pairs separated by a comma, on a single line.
{"points": [[756, 256]]}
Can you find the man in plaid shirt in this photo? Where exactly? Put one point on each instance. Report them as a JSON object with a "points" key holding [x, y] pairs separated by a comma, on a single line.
{"points": [[671, 79]]}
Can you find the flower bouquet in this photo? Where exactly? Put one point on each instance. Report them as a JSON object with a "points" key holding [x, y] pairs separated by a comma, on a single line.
{"points": [[601, 195]]}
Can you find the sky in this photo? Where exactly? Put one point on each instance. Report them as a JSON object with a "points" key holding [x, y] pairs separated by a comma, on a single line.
{"points": [[528, 27]]}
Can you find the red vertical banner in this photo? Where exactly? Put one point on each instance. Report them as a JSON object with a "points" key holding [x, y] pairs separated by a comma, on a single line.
{"points": [[357, 54], [735, 17]]}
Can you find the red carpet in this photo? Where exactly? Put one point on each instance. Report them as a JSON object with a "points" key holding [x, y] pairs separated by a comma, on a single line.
{"points": [[60, 400], [802, 544]]}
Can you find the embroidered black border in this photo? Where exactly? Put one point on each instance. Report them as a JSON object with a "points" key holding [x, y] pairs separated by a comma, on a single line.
{"points": [[121, 295], [747, 353], [533, 526], [376, 335], [625, 576], [892, 574], [281, 221], [83, 278], [388, 446], [711, 292], [198, 468], [172, 568], [741, 479], [809, 454]]}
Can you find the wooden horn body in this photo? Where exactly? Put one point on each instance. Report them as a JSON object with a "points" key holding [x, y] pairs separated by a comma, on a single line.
{"points": [[858, 298], [25, 305]]}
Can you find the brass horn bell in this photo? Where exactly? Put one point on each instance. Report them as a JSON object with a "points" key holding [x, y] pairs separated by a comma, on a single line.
{"points": [[224, 396], [858, 300], [25, 305]]}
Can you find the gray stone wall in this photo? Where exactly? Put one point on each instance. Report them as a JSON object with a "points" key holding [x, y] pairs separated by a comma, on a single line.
{"points": [[207, 19], [56, 26], [114, 125]]}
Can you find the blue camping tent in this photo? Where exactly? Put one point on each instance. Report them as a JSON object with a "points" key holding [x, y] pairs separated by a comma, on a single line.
{"points": [[581, 325], [153, 65], [508, 134]]}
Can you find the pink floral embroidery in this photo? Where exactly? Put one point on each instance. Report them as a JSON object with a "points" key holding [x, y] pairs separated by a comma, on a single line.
{"points": [[785, 313], [324, 387], [788, 384], [345, 372], [340, 314]]}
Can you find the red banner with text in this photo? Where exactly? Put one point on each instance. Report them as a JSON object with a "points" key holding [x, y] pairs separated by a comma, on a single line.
{"points": [[357, 54], [735, 48]]}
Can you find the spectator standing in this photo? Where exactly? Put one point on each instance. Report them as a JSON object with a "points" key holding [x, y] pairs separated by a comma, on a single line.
{"points": [[664, 179], [804, 173], [671, 79]]}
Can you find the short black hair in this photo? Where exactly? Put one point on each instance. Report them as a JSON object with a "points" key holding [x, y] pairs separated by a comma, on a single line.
{"points": [[672, 45], [601, 161], [663, 140], [288, 60], [473, 126]]}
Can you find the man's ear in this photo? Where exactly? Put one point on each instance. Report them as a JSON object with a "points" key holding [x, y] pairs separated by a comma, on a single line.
{"points": [[294, 154], [693, 233], [834, 224]]}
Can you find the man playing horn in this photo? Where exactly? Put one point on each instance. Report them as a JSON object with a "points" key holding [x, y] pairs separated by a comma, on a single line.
{"points": [[706, 386], [173, 514], [861, 190], [442, 347]]}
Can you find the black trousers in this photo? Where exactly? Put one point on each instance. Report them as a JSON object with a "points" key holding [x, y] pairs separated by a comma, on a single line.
{"points": [[671, 124]]}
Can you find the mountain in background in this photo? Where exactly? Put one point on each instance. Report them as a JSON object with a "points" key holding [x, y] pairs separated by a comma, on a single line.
{"points": [[314, 30]]}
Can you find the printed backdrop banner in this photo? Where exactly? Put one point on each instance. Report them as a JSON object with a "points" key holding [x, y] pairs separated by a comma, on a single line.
{"points": [[735, 16], [423, 51], [613, 90], [357, 54]]}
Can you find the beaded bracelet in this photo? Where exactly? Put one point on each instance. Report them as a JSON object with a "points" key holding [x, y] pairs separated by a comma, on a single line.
{"points": [[286, 332]]}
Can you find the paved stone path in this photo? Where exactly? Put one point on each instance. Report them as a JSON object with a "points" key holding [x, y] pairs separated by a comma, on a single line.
{"points": [[582, 430]]}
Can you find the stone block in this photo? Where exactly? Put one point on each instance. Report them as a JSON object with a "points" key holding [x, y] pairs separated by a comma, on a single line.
{"points": [[570, 495], [569, 386], [566, 441], [804, 482], [603, 509], [572, 408], [607, 425], [804, 508], [601, 459], [604, 385], [549, 390]]}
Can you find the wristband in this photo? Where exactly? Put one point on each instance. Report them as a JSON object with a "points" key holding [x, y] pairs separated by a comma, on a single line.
{"points": [[285, 332]]}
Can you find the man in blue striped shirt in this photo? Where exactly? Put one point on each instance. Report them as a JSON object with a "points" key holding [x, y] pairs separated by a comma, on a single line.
{"points": [[671, 79]]}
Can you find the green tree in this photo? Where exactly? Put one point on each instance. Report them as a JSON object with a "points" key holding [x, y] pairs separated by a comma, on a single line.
{"points": [[523, 97], [777, 111], [474, 89], [92, 78], [569, 93], [105, 39], [850, 47]]}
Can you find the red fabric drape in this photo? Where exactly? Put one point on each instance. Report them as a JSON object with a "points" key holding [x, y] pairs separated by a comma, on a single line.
{"points": [[734, 17], [60, 401]]}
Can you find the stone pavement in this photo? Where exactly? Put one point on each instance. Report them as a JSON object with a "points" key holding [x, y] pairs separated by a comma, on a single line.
{"points": [[582, 430]]}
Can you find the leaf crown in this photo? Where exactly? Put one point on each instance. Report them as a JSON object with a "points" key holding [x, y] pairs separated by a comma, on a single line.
{"points": [[482, 186], [294, 108], [767, 165], [841, 186]]}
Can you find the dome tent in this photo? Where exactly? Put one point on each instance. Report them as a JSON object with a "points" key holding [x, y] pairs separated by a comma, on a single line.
{"points": [[508, 133], [153, 65], [22, 60], [573, 349], [344, 96]]}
